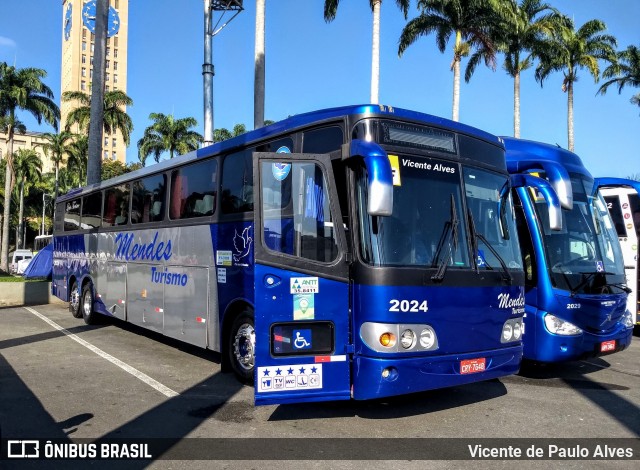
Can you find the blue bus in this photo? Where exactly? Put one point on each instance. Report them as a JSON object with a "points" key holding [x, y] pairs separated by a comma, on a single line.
{"points": [[575, 284], [354, 252]]}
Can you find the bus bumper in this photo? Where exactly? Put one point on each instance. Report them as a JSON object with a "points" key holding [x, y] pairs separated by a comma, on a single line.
{"points": [[417, 374], [550, 347]]}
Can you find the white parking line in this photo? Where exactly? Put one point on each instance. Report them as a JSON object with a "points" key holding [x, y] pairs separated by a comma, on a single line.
{"points": [[166, 391]]}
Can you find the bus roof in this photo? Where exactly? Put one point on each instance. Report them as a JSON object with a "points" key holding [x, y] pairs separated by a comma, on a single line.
{"points": [[526, 150], [290, 124]]}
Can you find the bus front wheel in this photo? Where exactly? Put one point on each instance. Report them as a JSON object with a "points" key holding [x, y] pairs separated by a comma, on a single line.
{"points": [[242, 347], [88, 313], [74, 301]]}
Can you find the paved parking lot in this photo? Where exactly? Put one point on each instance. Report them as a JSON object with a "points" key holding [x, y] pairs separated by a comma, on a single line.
{"points": [[115, 381]]}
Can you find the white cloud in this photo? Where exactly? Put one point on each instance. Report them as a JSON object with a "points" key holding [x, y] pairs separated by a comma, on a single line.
{"points": [[8, 42]]}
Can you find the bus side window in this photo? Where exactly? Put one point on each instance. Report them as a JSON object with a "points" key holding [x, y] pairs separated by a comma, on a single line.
{"points": [[148, 199], [237, 182], [194, 190], [91, 211], [526, 245], [72, 215], [115, 206]]}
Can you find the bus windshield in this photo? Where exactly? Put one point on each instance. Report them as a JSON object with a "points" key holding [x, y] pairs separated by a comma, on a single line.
{"points": [[585, 256], [428, 219]]}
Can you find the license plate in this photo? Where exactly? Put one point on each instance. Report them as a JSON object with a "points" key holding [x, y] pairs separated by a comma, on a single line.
{"points": [[606, 346], [471, 366]]}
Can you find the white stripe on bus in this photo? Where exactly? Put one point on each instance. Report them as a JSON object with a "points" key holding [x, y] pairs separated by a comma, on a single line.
{"points": [[166, 391]]}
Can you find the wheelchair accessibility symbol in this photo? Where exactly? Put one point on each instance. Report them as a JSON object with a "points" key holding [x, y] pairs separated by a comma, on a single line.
{"points": [[302, 339]]}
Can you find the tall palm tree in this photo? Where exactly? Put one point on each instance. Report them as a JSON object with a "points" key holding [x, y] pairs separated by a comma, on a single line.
{"points": [[28, 167], [115, 115], [168, 134], [21, 89], [625, 71], [471, 22], [56, 147], [525, 31], [330, 11], [259, 60], [572, 50], [79, 158]]}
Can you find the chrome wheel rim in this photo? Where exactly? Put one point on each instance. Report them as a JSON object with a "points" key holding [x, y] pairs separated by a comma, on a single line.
{"points": [[75, 299], [86, 304], [244, 343]]}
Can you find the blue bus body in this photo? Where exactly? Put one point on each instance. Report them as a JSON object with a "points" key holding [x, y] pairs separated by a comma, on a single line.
{"points": [[575, 292], [297, 251]]}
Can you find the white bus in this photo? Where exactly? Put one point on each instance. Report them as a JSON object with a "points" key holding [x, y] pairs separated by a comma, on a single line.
{"points": [[623, 203]]}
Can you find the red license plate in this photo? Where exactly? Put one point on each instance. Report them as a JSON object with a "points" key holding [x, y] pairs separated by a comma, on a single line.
{"points": [[606, 346], [471, 366]]}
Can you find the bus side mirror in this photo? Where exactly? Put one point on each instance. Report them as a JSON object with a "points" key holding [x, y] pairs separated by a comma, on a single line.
{"points": [[502, 210], [553, 202], [380, 176], [561, 183]]}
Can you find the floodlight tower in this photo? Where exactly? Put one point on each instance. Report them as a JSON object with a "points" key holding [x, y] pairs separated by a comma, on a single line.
{"points": [[210, 30]]}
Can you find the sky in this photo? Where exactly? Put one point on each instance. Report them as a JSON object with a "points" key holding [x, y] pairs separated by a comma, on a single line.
{"points": [[313, 65]]}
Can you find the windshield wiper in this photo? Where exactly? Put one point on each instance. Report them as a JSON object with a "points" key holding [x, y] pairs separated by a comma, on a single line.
{"points": [[449, 239], [590, 275], [475, 236]]}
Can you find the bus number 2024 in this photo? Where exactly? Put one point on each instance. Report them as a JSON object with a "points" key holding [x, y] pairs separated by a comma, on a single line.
{"points": [[408, 306]]}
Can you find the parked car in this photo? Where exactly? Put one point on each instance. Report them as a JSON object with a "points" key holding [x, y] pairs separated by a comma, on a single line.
{"points": [[15, 267]]}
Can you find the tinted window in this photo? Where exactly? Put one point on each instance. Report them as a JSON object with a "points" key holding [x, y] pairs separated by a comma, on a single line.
{"points": [[72, 215], [323, 140], [116, 206], [303, 228], [194, 190], [615, 211], [92, 210], [147, 203], [237, 182], [478, 150]]}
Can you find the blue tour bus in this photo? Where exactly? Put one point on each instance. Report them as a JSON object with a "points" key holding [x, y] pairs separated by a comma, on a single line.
{"points": [[354, 252], [575, 292]]}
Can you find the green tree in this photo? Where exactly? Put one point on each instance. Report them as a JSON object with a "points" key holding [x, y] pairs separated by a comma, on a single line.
{"points": [[56, 148], [21, 90], [79, 158], [28, 169], [330, 11], [168, 134], [224, 134], [525, 31], [625, 71], [471, 22], [115, 114], [572, 50]]}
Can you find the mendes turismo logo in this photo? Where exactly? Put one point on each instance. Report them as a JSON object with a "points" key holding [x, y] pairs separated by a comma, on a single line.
{"points": [[23, 449]]}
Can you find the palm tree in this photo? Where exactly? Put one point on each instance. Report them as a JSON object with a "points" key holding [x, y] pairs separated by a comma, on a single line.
{"points": [[223, 134], [168, 134], [79, 158], [258, 84], [625, 71], [525, 31], [471, 22], [115, 115], [55, 148], [28, 167], [21, 89], [330, 11], [572, 50]]}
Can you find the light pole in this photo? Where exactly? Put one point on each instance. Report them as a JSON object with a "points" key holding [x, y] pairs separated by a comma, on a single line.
{"points": [[211, 30]]}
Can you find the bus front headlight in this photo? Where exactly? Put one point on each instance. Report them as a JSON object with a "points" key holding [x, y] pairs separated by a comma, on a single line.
{"points": [[627, 319], [407, 339], [427, 338], [559, 326]]}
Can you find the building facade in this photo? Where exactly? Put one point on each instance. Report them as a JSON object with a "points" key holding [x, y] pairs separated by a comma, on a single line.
{"points": [[28, 140], [78, 25]]}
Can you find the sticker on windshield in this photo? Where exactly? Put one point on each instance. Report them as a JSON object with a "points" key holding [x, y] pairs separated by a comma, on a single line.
{"points": [[395, 169], [481, 259], [280, 170], [600, 266]]}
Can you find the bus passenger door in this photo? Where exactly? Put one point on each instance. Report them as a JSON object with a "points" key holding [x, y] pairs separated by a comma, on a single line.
{"points": [[301, 282]]}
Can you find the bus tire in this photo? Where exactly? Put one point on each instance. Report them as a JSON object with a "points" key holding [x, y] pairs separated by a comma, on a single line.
{"points": [[86, 303], [242, 346], [74, 301]]}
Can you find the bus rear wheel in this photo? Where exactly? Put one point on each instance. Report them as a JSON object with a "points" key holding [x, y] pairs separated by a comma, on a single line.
{"points": [[88, 314], [74, 301], [242, 347]]}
